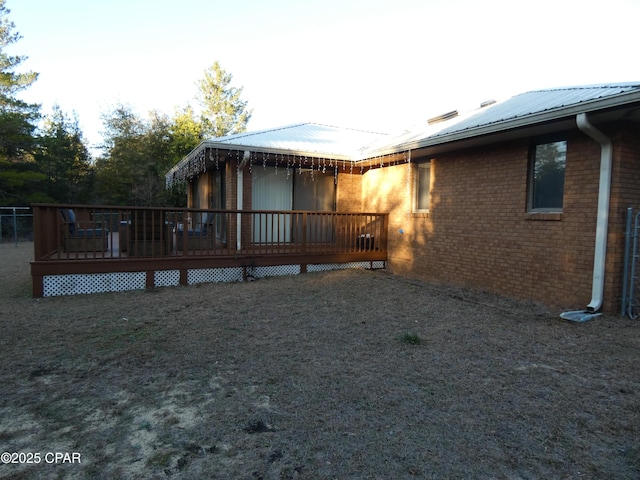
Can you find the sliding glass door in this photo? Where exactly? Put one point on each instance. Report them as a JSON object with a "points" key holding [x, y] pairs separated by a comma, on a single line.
{"points": [[315, 192], [271, 191], [301, 190]]}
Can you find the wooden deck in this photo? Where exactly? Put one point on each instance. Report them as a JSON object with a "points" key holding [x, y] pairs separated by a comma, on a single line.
{"points": [[113, 245]]}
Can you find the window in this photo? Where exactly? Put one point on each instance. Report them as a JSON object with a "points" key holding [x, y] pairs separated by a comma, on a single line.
{"points": [[302, 190], [217, 194], [271, 192], [313, 191], [317, 192], [217, 200], [546, 187], [422, 199]]}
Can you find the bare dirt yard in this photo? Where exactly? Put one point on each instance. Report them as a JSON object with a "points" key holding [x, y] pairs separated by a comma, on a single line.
{"points": [[339, 375]]}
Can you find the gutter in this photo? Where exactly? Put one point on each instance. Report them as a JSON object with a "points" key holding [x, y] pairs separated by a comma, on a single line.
{"points": [[602, 223]]}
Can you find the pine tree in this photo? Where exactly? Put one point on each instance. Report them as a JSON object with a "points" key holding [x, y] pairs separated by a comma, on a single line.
{"points": [[19, 178], [223, 111], [64, 158]]}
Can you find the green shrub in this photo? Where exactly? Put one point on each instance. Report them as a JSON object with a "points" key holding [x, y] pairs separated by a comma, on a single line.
{"points": [[411, 338]]}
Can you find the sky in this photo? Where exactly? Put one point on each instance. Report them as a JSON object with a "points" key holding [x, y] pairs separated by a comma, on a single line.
{"points": [[367, 64]]}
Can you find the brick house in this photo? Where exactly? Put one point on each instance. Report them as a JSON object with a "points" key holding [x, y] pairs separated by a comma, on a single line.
{"points": [[525, 198]]}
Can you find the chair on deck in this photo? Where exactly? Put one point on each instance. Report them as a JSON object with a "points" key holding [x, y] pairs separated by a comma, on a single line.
{"points": [[82, 239], [202, 238]]}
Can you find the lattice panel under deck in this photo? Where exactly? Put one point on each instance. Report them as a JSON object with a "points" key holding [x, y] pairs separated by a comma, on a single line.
{"points": [[341, 266], [275, 271], [78, 284], [166, 278], [209, 275]]}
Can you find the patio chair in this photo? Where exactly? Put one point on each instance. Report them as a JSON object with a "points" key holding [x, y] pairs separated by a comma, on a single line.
{"points": [[78, 239], [202, 238], [366, 242], [367, 238]]}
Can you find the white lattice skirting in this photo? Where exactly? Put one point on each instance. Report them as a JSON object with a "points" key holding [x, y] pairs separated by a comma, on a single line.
{"points": [[78, 284]]}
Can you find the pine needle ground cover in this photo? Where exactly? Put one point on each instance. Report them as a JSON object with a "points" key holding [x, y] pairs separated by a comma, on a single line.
{"points": [[345, 374]]}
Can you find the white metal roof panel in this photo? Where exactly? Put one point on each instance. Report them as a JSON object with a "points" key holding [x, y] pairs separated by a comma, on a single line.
{"points": [[539, 101], [304, 138], [521, 110], [525, 105]]}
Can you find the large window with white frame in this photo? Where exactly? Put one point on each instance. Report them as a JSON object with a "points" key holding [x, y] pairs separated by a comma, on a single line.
{"points": [[422, 188], [547, 163]]}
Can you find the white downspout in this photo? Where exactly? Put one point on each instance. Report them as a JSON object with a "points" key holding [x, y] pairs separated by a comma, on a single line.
{"points": [[602, 223], [240, 202]]}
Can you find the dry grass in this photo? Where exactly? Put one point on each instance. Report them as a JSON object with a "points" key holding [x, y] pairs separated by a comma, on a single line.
{"points": [[346, 374]]}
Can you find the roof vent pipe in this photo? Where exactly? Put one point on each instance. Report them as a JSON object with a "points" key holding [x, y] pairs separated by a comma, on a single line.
{"points": [[602, 222], [444, 117]]}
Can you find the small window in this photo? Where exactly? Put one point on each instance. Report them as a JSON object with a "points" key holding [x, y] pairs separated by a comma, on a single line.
{"points": [[422, 199], [547, 165]]}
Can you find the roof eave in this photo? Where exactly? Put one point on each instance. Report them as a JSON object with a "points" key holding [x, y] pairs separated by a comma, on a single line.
{"points": [[208, 144], [185, 159], [272, 150]]}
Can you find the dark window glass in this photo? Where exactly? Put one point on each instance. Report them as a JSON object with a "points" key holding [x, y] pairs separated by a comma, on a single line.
{"points": [[423, 186], [547, 176]]}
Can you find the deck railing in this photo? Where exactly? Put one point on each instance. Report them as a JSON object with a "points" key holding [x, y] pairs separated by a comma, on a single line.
{"points": [[73, 232], [87, 239]]}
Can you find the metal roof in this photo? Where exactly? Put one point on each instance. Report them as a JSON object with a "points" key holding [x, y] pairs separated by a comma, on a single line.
{"points": [[539, 101], [523, 109], [526, 109], [303, 138]]}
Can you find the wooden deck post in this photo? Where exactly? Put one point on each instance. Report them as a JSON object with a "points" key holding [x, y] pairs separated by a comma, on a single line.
{"points": [[150, 279], [37, 288], [304, 232]]}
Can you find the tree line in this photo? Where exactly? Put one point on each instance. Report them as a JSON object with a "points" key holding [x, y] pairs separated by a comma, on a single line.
{"points": [[45, 158]]}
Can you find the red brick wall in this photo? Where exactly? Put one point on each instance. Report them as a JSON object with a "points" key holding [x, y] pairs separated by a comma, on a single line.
{"points": [[231, 184], [349, 193], [625, 192], [479, 234], [231, 194]]}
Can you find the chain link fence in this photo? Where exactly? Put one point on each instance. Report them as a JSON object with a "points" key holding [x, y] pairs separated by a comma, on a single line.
{"points": [[16, 225], [631, 273]]}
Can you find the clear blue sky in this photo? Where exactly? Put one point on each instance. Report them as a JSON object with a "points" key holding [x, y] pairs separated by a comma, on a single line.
{"points": [[374, 65]]}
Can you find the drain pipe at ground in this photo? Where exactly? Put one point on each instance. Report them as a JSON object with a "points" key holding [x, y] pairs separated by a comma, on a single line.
{"points": [[602, 223]]}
